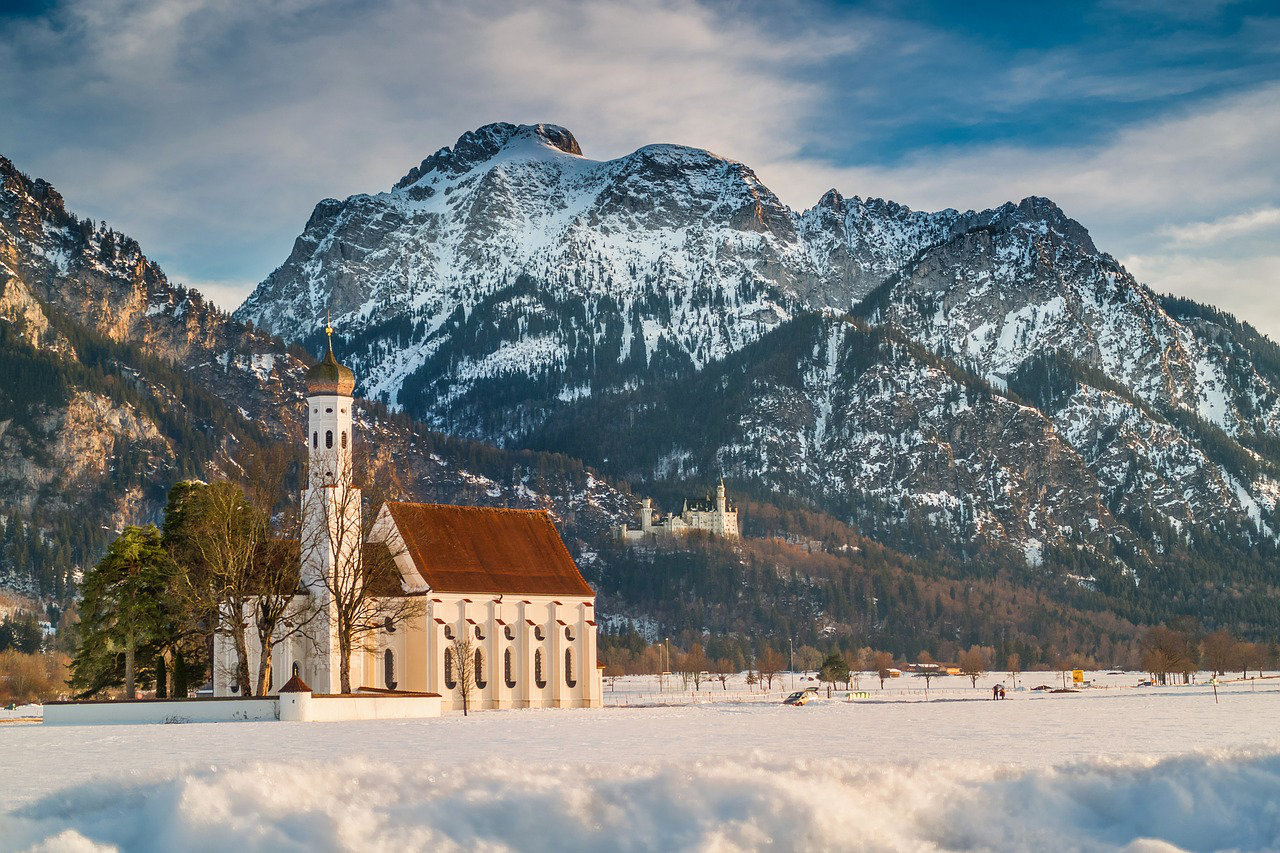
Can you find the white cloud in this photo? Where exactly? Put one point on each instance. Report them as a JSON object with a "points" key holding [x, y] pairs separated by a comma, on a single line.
{"points": [[1223, 228], [227, 294], [1248, 286], [208, 129], [1150, 194], [1197, 164]]}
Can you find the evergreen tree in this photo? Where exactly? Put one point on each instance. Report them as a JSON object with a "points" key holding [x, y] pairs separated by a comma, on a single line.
{"points": [[124, 614]]}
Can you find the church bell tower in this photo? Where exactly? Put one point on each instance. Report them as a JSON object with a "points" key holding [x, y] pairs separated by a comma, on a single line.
{"points": [[329, 438], [332, 533]]}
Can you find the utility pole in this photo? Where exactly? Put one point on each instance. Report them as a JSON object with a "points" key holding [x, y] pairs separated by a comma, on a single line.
{"points": [[666, 663], [792, 665]]}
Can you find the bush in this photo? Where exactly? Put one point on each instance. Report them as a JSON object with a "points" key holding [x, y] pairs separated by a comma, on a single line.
{"points": [[26, 678]]}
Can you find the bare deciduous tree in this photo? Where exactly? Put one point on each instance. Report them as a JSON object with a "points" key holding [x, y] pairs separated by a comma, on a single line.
{"points": [[927, 669], [695, 664], [1249, 656], [464, 668], [1166, 650], [1218, 650], [722, 670], [1014, 664], [769, 663], [883, 664], [359, 582], [220, 537], [974, 663]]}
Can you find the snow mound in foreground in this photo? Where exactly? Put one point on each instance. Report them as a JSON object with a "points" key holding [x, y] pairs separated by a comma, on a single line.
{"points": [[1197, 802]]}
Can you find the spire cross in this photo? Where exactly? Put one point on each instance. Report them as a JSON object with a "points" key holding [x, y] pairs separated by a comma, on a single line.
{"points": [[328, 329]]}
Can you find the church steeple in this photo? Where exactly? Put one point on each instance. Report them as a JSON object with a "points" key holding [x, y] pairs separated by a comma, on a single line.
{"points": [[327, 376], [329, 407]]}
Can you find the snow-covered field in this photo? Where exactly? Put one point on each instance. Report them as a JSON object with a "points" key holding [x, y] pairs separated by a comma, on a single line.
{"points": [[1121, 768]]}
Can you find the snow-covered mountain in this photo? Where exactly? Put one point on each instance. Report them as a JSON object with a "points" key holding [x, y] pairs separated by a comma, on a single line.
{"points": [[512, 256], [509, 274], [1028, 280], [664, 315]]}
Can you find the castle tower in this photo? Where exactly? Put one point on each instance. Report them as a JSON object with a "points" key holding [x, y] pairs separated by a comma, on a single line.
{"points": [[646, 515], [722, 507]]}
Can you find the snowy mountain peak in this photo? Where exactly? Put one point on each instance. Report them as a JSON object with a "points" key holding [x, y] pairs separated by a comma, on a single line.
{"points": [[833, 200], [478, 146]]}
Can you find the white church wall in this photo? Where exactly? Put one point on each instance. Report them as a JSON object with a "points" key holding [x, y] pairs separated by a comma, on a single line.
{"points": [[527, 626]]}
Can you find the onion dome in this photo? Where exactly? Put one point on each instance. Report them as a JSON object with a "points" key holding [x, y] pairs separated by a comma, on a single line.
{"points": [[328, 377]]}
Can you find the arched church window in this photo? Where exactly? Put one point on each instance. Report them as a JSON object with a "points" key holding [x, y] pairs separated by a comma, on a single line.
{"points": [[537, 669], [479, 633], [448, 632], [450, 680], [508, 633], [568, 632], [389, 670], [568, 669], [315, 440], [480, 679], [507, 673], [537, 633], [389, 625], [344, 439], [328, 438]]}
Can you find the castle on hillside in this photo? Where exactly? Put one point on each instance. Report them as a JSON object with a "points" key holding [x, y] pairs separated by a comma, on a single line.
{"points": [[718, 519]]}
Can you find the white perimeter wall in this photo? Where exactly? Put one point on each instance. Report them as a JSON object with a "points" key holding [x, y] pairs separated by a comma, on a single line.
{"points": [[178, 711], [304, 707], [290, 706]]}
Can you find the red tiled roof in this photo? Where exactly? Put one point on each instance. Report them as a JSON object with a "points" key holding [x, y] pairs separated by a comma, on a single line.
{"points": [[295, 685], [487, 550]]}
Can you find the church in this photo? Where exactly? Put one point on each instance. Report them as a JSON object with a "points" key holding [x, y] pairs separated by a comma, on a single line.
{"points": [[496, 585]]}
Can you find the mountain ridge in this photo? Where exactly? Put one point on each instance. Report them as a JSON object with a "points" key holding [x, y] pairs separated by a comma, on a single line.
{"points": [[535, 295]]}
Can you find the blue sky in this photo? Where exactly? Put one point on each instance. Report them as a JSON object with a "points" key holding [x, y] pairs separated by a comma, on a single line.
{"points": [[208, 129]]}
